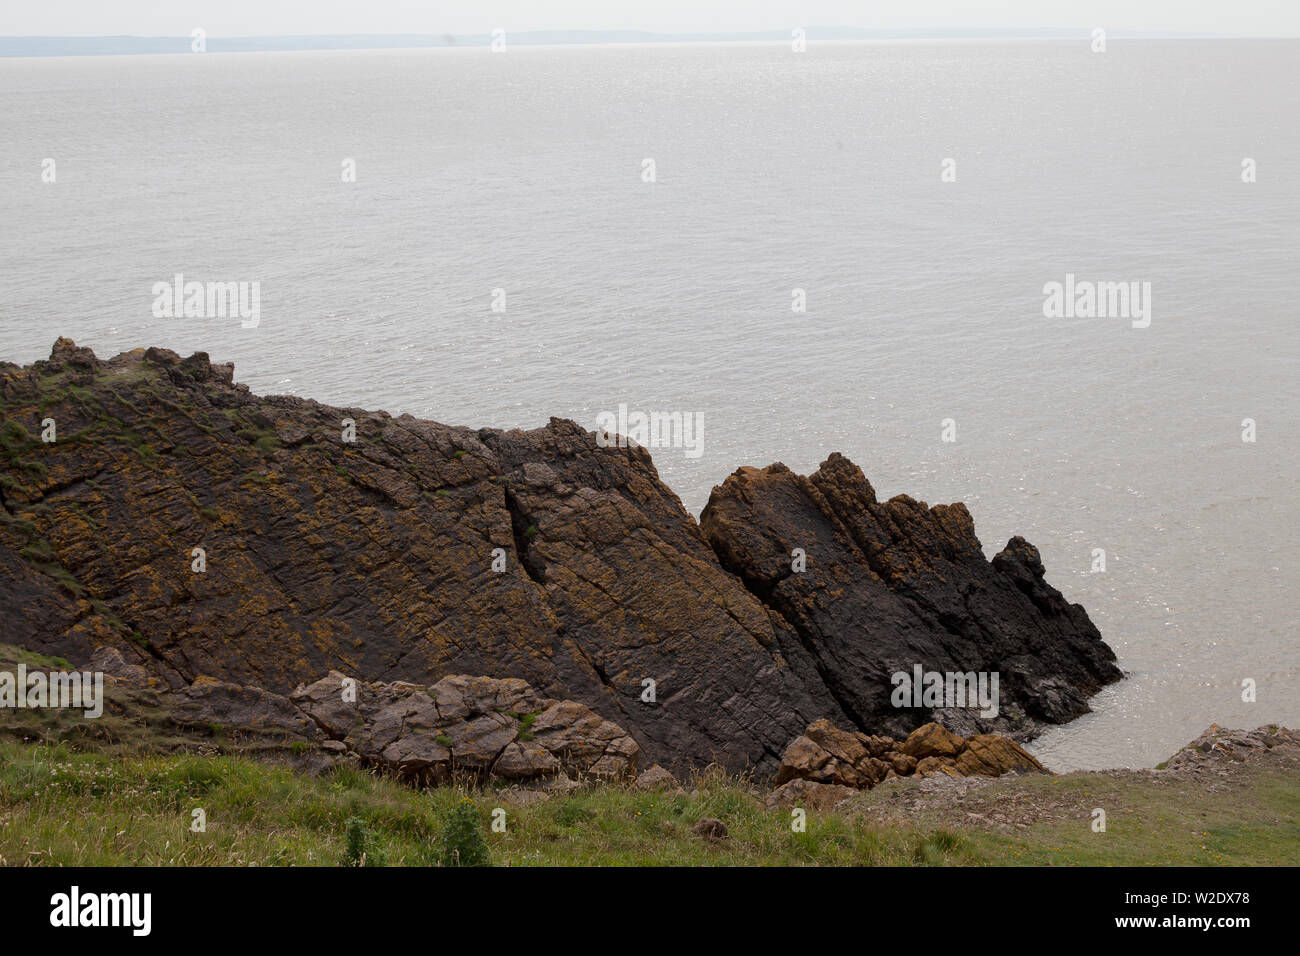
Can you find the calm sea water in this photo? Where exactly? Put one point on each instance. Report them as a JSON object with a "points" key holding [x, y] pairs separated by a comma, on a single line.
{"points": [[523, 171]]}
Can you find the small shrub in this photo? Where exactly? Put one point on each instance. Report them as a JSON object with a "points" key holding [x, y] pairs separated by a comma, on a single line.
{"points": [[462, 838], [935, 849], [362, 848]]}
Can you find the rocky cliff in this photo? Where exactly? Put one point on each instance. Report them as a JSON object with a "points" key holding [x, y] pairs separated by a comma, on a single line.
{"points": [[413, 550]]}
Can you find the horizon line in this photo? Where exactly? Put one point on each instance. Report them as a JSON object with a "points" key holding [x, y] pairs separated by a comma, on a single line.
{"points": [[49, 45]]}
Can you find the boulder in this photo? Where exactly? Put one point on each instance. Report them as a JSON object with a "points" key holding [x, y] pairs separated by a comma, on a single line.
{"points": [[803, 759], [656, 778], [931, 740], [218, 705], [844, 746]]}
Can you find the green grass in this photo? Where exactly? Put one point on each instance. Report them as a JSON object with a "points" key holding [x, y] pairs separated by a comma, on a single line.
{"points": [[60, 806], [63, 807], [20, 655], [1251, 818], [263, 439]]}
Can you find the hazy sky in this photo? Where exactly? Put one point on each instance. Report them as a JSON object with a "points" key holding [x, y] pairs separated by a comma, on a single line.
{"points": [[254, 17]]}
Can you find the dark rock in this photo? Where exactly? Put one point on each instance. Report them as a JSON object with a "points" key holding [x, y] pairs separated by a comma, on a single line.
{"points": [[374, 558], [893, 584]]}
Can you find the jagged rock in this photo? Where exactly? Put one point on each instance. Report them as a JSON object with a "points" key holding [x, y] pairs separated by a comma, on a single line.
{"points": [[825, 754], [326, 702], [1218, 744], [809, 795], [67, 352], [878, 746], [374, 557], [584, 741], [889, 585], [875, 770], [477, 743]]}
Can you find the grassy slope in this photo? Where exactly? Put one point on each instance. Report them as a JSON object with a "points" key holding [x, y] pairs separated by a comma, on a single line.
{"points": [[100, 799], [58, 806]]}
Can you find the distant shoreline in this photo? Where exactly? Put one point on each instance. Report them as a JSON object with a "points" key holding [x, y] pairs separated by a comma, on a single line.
{"points": [[57, 46]]}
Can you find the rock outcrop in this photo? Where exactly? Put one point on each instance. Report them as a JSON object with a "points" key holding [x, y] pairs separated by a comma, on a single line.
{"points": [[849, 761], [1218, 746], [468, 729], [888, 585], [197, 529], [475, 725]]}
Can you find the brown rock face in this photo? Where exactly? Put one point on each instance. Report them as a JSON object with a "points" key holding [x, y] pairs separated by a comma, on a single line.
{"points": [[419, 550], [988, 755], [826, 756], [931, 740]]}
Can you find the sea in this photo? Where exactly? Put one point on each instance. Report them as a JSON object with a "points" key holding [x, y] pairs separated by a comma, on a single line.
{"points": [[851, 248]]}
